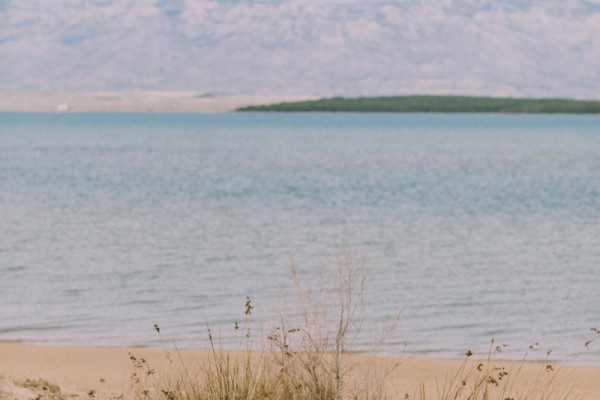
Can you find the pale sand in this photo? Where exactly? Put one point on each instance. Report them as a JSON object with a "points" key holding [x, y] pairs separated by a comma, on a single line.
{"points": [[78, 370], [185, 102]]}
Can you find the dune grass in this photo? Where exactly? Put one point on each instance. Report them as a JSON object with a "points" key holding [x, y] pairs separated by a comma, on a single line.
{"points": [[489, 379], [311, 354]]}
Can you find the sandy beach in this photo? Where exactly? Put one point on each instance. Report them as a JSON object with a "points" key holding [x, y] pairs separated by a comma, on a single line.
{"points": [[184, 102], [107, 371]]}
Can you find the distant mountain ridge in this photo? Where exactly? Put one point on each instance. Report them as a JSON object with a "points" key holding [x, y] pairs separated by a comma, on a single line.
{"points": [[350, 48]]}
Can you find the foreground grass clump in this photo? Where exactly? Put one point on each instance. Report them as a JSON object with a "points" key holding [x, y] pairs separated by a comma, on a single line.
{"points": [[310, 353]]}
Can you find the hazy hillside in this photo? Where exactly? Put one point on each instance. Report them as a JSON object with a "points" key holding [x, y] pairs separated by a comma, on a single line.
{"points": [[510, 48]]}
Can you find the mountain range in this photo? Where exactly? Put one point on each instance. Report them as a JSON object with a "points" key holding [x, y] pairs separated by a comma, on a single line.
{"points": [[512, 48]]}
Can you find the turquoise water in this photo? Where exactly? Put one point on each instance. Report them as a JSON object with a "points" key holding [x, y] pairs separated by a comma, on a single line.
{"points": [[477, 227]]}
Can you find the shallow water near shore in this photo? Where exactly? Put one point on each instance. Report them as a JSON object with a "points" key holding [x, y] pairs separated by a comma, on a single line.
{"points": [[477, 226]]}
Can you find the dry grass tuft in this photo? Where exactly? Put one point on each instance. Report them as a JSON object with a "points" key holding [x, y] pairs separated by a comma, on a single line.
{"points": [[501, 380]]}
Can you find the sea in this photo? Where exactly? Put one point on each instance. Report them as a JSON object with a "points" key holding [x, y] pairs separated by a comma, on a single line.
{"points": [[471, 228]]}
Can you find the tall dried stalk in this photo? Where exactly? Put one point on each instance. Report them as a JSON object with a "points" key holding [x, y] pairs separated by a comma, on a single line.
{"points": [[318, 347]]}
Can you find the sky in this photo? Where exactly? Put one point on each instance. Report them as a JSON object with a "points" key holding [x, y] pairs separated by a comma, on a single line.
{"points": [[303, 47]]}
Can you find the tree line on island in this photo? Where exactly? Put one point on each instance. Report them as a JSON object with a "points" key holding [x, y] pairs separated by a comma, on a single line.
{"points": [[438, 104]]}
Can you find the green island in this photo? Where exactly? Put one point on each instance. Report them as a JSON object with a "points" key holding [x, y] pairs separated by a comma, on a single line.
{"points": [[436, 104]]}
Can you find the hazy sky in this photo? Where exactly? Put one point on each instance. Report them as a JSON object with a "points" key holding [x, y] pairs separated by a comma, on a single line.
{"points": [[345, 47]]}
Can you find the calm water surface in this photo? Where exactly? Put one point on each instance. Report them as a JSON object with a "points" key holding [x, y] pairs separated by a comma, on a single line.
{"points": [[476, 227]]}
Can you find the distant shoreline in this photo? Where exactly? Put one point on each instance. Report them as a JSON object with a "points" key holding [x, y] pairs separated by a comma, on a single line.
{"points": [[164, 102], [434, 104], [192, 102]]}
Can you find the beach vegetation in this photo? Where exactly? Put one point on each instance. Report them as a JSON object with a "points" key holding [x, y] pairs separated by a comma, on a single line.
{"points": [[490, 379], [312, 352]]}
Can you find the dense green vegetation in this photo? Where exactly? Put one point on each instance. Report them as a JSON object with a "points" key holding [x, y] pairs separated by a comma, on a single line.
{"points": [[440, 104]]}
